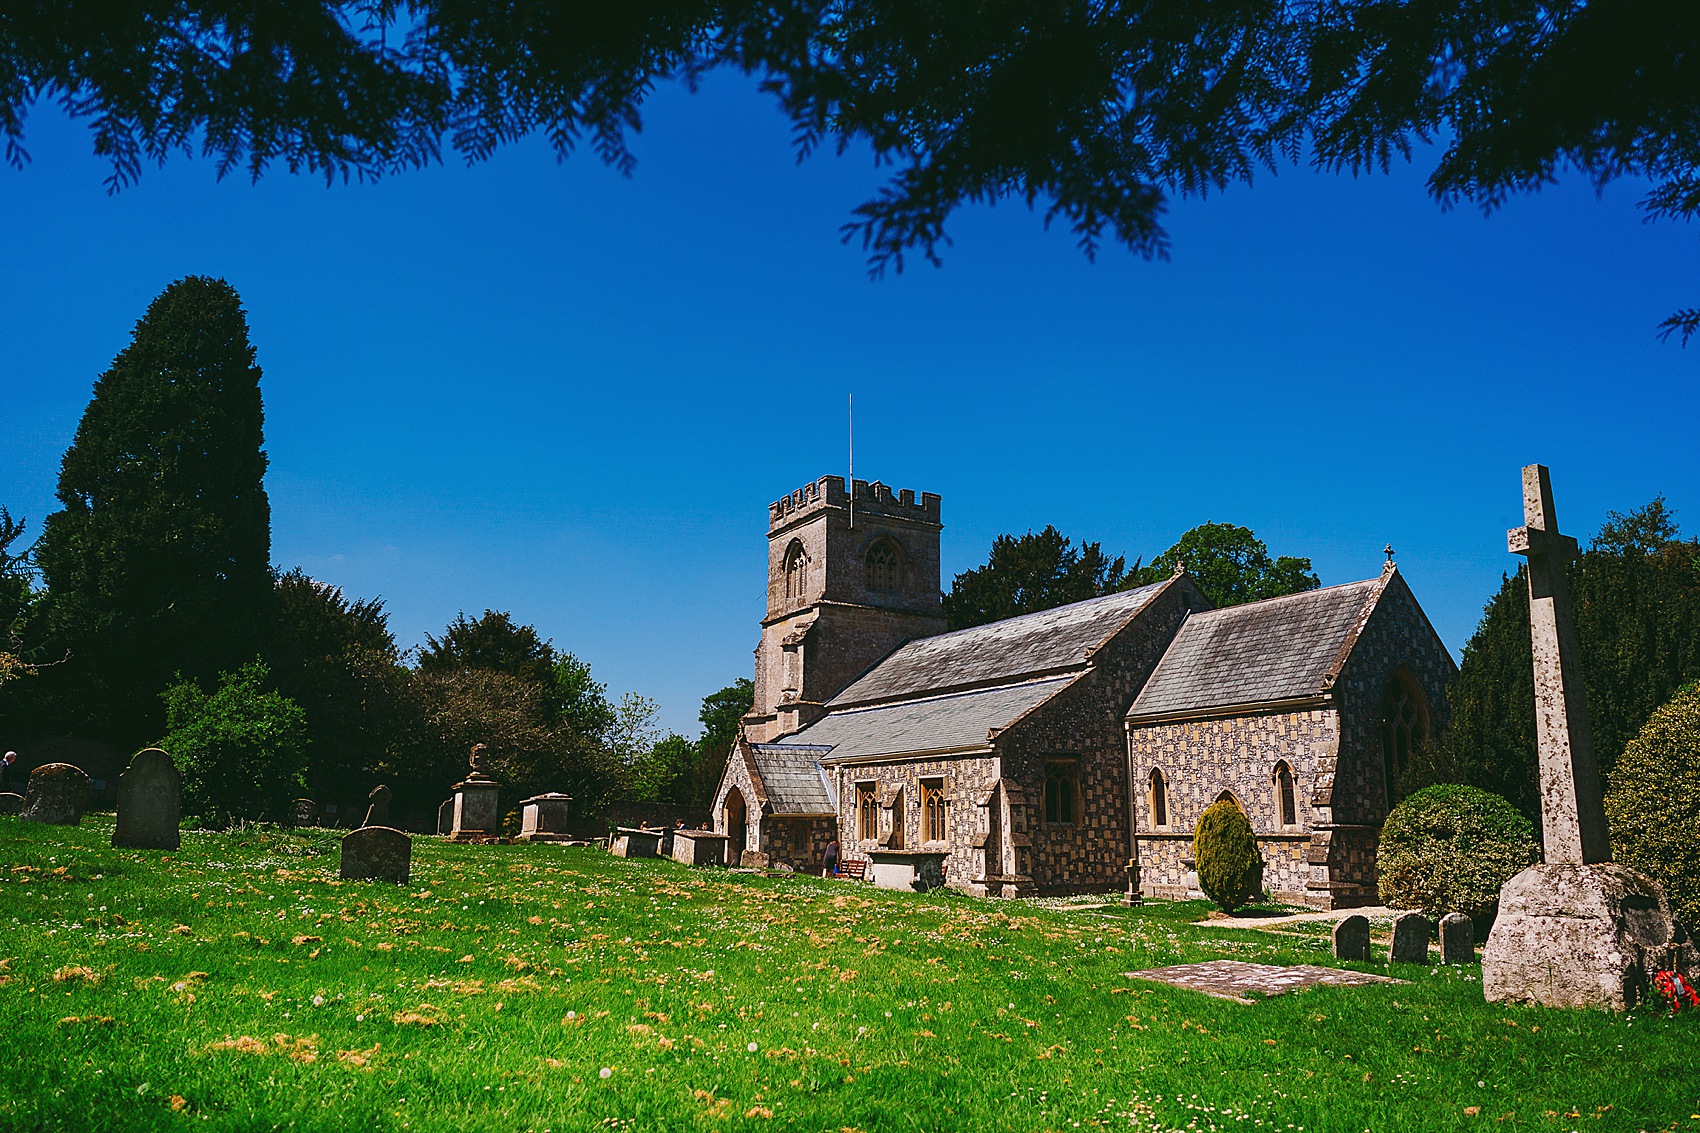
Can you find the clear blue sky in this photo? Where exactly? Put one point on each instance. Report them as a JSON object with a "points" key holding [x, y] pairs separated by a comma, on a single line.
{"points": [[551, 390]]}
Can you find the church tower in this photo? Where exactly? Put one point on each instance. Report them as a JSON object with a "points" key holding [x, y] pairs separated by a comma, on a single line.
{"points": [[848, 581]]}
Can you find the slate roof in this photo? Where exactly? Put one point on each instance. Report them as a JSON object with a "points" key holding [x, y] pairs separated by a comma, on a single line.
{"points": [[1000, 652], [933, 723], [1277, 649], [792, 779]]}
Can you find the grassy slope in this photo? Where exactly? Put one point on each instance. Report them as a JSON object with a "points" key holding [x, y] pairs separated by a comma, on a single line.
{"points": [[489, 993]]}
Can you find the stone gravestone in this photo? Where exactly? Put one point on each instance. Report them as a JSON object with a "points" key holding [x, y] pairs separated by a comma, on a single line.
{"points": [[378, 807], [446, 817], [543, 818], [150, 803], [1576, 930], [11, 804], [1410, 939], [303, 812], [1351, 938], [476, 815], [1457, 939], [377, 853], [57, 794]]}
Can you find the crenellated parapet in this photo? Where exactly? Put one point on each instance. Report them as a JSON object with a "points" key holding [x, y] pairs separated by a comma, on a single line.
{"points": [[872, 499]]}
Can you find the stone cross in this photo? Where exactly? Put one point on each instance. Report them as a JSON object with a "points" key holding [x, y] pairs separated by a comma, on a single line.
{"points": [[1573, 813]]}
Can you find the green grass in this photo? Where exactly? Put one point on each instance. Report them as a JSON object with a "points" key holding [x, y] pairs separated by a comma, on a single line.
{"points": [[239, 985]]}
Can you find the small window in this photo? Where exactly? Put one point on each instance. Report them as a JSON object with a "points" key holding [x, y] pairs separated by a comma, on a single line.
{"points": [[882, 566], [1062, 782], [1286, 795], [796, 571], [1159, 800], [867, 811], [933, 826]]}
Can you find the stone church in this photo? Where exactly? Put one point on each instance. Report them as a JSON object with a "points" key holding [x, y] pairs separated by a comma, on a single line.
{"points": [[1048, 753]]}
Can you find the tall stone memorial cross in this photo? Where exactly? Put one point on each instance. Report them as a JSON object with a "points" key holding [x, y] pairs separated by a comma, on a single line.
{"points": [[1573, 813]]}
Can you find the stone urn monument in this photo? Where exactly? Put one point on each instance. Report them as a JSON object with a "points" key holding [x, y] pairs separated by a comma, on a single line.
{"points": [[1577, 930], [476, 816]]}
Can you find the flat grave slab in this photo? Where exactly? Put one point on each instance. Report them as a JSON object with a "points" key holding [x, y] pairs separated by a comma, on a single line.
{"points": [[1233, 979]]}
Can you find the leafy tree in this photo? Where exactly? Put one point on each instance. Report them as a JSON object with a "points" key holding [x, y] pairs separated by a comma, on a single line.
{"points": [[722, 715], [491, 642], [1231, 565], [1031, 573], [159, 561], [241, 750], [337, 659], [1097, 113], [580, 700], [1653, 802], [1230, 868], [1636, 596], [1450, 849], [18, 600]]}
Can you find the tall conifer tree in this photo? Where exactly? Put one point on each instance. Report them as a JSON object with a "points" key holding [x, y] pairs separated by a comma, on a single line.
{"points": [[160, 562]]}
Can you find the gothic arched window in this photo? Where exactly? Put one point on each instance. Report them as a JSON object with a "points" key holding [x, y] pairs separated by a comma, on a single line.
{"points": [[882, 565], [1062, 782], [1286, 795], [1157, 796], [796, 571], [1404, 724]]}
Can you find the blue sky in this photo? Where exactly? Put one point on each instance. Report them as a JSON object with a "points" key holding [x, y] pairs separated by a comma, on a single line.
{"points": [[549, 389]]}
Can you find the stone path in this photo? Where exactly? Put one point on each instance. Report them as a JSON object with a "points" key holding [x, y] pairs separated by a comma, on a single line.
{"points": [[1232, 979]]}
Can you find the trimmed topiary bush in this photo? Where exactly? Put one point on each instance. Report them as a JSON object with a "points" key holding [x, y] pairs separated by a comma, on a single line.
{"points": [[1653, 804], [1230, 870], [1449, 848]]}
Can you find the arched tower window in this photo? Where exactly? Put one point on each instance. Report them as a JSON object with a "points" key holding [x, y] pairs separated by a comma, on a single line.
{"points": [[1404, 725], [1158, 797], [1286, 795], [796, 571], [883, 563]]}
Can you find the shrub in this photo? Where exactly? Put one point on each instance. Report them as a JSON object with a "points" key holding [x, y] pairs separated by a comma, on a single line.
{"points": [[1653, 805], [1449, 848], [242, 750], [1230, 870]]}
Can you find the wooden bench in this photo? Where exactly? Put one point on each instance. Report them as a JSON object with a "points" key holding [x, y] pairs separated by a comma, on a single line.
{"points": [[853, 867]]}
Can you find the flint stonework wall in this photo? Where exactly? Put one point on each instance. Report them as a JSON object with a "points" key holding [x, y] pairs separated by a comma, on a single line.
{"points": [[966, 780], [1084, 722], [1200, 759]]}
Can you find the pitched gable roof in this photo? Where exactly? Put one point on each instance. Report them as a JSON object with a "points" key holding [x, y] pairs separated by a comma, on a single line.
{"points": [[791, 780], [951, 722], [1049, 641], [1278, 649]]}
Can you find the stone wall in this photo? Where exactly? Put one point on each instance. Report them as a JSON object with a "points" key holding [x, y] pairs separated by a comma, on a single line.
{"points": [[737, 777], [797, 842], [1084, 723], [966, 780], [1200, 759]]}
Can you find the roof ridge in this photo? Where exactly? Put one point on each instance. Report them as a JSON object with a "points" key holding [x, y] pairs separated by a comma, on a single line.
{"points": [[1199, 614], [948, 693], [1036, 613]]}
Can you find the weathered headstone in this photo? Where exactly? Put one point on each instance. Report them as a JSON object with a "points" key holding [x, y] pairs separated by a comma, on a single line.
{"points": [[377, 853], [543, 818], [1457, 939], [476, 815], [11, 804], [378, 807], [1577, 930], [699, 847], [636, 842], [303, 812], [150, 803], [1410, 939], [446, 817], [1351, 938], [57, 794]]}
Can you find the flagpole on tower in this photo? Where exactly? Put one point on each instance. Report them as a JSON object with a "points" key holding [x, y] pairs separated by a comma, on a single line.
{"points": [[852, 462]]}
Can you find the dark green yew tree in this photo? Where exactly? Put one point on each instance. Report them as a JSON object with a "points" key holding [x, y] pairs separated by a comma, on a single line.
{"points": [[159, 562]]}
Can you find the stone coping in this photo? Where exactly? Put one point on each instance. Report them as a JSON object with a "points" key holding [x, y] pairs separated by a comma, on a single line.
{"points": [[907, 853], [699, 835], [642, 833], [548, 797]]}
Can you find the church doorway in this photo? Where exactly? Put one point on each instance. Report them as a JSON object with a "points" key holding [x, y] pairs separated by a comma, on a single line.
{"points": [[735, 817]]}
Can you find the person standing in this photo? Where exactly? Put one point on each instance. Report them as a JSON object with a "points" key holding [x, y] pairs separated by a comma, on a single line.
{"points": [[831, 869], [10, 777]]}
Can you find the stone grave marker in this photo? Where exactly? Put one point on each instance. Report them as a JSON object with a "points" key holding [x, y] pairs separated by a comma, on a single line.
{"points": [[636, 842], [1238, 980], [1457, 939], [543, 818], [303, 812], [150, 803], [446, 817], [477, 816], [377, 853], [1351, 938], [11, 804], [378, 807], [1410, 939], [57, 794], [1576, 930]]}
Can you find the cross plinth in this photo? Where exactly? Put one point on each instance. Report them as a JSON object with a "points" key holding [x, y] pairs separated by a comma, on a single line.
{"points": [[1573, 817]]}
